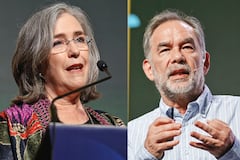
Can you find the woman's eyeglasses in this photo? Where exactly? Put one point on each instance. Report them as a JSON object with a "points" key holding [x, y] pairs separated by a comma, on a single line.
{"points": [[61, 45]]}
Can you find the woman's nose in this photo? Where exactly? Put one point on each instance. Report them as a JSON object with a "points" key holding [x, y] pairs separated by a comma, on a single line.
{"points": [[73, 50]]}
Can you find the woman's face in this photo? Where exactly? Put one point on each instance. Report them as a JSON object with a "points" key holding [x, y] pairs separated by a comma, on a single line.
{"points": [[69, 68]]}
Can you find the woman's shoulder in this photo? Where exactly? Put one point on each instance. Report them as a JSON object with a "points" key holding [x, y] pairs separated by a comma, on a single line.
{"points": [[112, 119], [21, 119], [20, 113], [21, 130], [115, 119]]}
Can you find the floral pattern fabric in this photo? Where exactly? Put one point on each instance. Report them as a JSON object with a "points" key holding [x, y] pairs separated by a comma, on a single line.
{"points": [[23, 126]]}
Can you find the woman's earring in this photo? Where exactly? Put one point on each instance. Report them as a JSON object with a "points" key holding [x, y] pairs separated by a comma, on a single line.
{"points": [[41, 76]]}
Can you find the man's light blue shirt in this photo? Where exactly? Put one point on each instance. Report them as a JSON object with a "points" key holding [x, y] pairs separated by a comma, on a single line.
{"points": [[206, 107]]}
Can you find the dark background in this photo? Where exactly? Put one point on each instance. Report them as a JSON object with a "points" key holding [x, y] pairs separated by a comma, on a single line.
{"points": [[221, 22], [220, 19], [109, 21]]}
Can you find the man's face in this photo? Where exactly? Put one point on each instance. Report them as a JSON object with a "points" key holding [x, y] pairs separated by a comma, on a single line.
{"points": [[176, 62]]}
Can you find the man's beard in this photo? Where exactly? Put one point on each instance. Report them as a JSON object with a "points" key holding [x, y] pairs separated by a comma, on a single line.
{"points": [[186, 88]]}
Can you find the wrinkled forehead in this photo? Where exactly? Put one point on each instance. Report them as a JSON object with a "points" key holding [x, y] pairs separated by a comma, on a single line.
{"points": [[172, 31], [172, 27]]}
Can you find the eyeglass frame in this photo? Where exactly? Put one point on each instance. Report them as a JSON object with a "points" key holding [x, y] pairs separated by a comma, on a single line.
{"points": [[66, 42]]}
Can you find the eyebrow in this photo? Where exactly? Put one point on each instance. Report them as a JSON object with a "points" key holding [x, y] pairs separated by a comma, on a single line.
{"points": [[188, 40], [76, 33], [184, 41], [162, 44]]}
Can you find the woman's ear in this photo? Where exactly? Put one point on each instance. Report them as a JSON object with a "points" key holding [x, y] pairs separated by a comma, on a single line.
{"points": [[147, 68]]}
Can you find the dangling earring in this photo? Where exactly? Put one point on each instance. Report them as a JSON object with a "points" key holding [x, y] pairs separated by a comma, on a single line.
{"points": [[41, 76]]}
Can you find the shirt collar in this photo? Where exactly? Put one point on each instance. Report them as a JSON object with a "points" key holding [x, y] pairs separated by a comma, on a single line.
{"points": [[203, 101]]}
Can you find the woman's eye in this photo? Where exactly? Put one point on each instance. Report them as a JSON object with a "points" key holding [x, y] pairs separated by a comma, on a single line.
{"points": [[58, 42], [80, 39]]}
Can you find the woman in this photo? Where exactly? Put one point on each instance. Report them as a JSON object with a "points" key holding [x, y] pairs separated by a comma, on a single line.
{"points": [[55, 53]]}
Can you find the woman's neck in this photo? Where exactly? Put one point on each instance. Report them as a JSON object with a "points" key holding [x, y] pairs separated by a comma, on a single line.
{"points": [[69, 113]]}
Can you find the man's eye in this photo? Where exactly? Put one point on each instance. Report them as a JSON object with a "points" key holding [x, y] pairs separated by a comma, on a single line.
{"points": [[188, 48], [58, 42], [164, 50]]}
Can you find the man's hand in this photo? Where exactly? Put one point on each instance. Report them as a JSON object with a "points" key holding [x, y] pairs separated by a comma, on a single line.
{"points": [[220, 140], [160, 132]]}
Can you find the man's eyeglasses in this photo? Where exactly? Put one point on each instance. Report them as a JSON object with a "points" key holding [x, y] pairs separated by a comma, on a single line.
{"points": [[61, 45]]}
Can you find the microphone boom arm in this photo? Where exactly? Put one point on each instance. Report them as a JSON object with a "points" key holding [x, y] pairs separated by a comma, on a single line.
{"points": [[102, 67], [82, 88]]}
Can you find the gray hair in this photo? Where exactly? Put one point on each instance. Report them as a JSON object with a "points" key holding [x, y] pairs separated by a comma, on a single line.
{"points": [[168, 15], [33, 46]]}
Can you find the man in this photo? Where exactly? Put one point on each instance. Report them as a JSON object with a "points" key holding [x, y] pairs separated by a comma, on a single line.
{"points": [[190, 122]]}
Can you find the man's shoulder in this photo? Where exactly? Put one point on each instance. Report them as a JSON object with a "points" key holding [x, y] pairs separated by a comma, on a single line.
{"points": [[226, 98], [147, 117]]}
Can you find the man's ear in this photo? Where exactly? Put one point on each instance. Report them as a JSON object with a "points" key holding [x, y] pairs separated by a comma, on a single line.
{"points": [[206, 63], [147, 68]]}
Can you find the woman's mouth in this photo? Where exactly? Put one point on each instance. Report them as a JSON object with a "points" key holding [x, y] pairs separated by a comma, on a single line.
{"points": [[74, 67]]}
